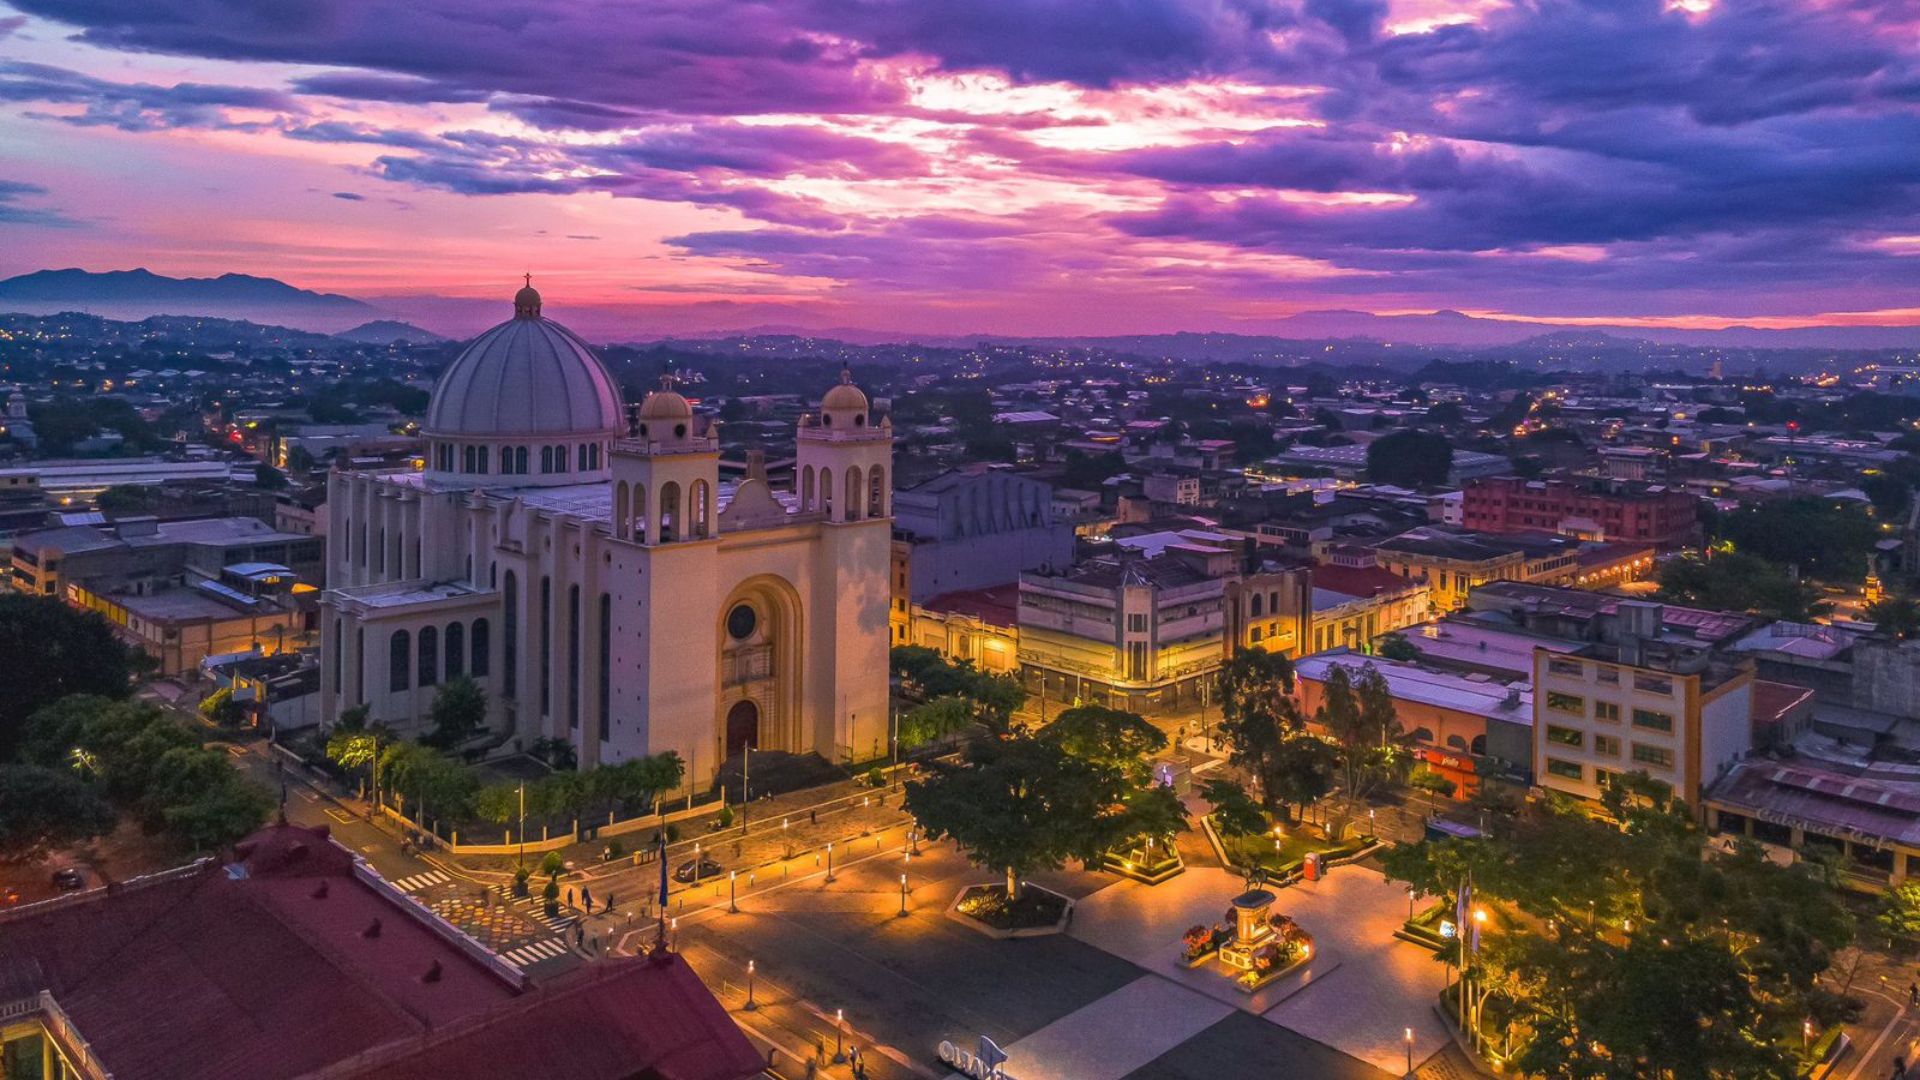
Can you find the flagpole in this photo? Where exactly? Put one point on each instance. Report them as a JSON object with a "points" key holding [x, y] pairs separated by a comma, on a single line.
{"points": [[662, 942]]}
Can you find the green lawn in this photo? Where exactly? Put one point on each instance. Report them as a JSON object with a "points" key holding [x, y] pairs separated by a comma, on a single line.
{"points": [[1293, 849]]}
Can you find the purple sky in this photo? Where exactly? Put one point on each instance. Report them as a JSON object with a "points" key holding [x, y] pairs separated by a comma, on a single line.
{"points": [[1027, 166]]}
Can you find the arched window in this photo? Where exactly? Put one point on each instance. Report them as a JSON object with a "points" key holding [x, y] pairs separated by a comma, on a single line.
{"points": [[546, 459], [456, 650], [593, 456], [669, 512], [480, 459], [856, 495], [826, 492], [580, 458], [877, 492], [546, 645], [605, 671], [520, 460], [697, 508], [573, 656], [429, 656], [481, 660], [506, 460], [1273, 601], [381, 565], [1256, 612], [510, 654], [339, 647], [640, 510], [622, 510], [399, 660], [1478, 747], [806, 488], [466, 459]]}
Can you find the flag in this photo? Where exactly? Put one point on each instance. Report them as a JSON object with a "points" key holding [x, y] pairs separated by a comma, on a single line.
{"points": [[1463, 914], [663, 872]]}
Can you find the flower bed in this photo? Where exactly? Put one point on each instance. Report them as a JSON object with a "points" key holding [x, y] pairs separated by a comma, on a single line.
{"points": [[1201, 943]]}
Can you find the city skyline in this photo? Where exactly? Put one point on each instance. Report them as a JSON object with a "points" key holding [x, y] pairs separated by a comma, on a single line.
{"points": [[1006, 168]]}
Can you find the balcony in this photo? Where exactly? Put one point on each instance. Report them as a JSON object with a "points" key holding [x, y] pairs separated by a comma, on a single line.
{"points": [[749, 664]]}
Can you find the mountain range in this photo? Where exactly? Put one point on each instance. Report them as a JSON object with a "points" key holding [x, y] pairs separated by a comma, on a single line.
{"points": [[136, 294]]}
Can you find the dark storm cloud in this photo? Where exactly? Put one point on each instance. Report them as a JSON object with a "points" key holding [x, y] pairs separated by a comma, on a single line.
{"points": [[134, 106]]}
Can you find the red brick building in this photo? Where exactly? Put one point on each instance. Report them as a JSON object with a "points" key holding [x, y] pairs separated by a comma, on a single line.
{"points": [[1646, 514]]}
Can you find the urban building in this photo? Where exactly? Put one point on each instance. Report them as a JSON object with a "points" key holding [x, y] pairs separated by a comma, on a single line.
{"points": [[1354, 605], [1350, 463], [1467, 729], [592, 573], [979, 526], [1594, 511], [976, 626], [1639, 705], [297, 960]]}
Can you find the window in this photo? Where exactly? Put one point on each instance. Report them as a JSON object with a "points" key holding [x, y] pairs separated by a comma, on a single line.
{"points": [[429, 656], [399, 659], [456, 650], [1653, 684], [1574, 668], [1571, 704], [510, 652], [546, 645], [605, 688], [1256, 635], [1569, 770], [1607, 710], [520, 459], [1651, 720], [481, 660], [1565, 736], [1610, 676], [580, 458], [1137, 623], [1257, 605], [1606, 745], [741, 622], [573, 656], [1653, 755], [546, 459]]}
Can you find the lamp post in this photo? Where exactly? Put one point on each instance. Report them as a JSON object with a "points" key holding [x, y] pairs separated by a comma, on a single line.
{"points": [[903, 896], [1409, 1038], [1409, 903], [751, 1004], [732, 903], [829, 861], [696, 864], [523, 823], [839, 1031]]}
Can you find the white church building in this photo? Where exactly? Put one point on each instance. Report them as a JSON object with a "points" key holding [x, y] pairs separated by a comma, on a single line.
{"points": [[582, 561]]}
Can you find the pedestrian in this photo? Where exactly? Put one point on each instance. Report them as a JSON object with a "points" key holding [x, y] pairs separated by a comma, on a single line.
{"points": [[609, 899], [1899, 1068], [579, 936], [1913, 994], [586, 899], [813, 816], [569, 896]]}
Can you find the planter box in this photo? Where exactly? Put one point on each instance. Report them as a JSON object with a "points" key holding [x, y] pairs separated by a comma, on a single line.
{"points": [[1268, 979]]}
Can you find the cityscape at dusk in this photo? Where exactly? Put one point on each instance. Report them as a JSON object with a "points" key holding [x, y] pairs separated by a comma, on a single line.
{"points": [[992, 540]]}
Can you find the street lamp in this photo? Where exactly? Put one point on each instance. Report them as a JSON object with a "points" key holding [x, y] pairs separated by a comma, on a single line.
{"points": [[829, 861], [839, 1031], [751, 1004], [1409, 903], [903, 896], [1409, 1038], [732, 904]]}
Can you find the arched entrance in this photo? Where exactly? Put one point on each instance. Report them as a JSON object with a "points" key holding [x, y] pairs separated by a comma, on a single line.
{"points": [[743, 727]]}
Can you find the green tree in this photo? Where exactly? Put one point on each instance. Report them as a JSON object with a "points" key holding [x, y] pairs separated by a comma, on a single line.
{"points": [[459, 710], [927, 675], [1358, 713], [1737, 581], [1302, 770], [268, 477], [1019, 804], [220, 708], [1828, 540], [215, 817], [1896, 613], [124, 499], [1255, 683], [43, 810], [936, 719], [53, 651], [1891, 495], [1235, 813], [1899, 913], [1397, 647], [429, 784], [1409, 459], [1087, 472], [1111, 738]]}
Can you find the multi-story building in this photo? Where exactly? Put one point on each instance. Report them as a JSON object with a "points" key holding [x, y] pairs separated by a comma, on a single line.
{"points": [[1144, 631], [1354, 605], [1641, 705], [978, 526], [1592, 510], [977, 626]]}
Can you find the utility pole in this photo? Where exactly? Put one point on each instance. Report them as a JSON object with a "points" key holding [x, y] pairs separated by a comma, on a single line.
{"points": [[746, 784], [523, 823]]}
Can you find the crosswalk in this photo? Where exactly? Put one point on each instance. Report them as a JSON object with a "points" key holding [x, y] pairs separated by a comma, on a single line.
{"points": [[528, 955], [421, 881]]}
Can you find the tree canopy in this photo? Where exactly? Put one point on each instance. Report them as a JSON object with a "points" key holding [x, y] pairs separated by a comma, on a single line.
{"points": [[53, 651], [1409, 459], [43, 809]]}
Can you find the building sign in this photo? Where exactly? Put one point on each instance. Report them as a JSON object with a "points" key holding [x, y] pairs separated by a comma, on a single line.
{"points": [[984, 1063]]}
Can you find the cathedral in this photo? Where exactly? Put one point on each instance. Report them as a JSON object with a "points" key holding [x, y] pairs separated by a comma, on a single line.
{"points": [[583, 562]]}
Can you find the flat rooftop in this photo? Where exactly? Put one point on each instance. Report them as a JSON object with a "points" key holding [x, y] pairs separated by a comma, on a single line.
{"points": [[1512, 704]]}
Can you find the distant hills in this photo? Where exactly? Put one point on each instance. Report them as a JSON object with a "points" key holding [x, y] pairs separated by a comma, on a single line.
{"points": [[388, 331], [138, 294]]}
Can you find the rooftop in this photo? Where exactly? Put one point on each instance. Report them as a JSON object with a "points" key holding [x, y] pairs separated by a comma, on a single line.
{"points": [[1411, 682]]}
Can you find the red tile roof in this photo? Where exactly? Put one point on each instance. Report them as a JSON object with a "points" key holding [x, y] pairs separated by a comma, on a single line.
{"points": [[996, 605], [273, 967], [1359, 580]]}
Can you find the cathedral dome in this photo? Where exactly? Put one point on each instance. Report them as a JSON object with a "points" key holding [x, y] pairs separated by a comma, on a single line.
{"points": [[665, 404], [527, 376], [845, 397]]}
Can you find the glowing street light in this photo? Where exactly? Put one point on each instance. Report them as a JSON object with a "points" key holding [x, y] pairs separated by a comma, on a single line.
{"points": [[839, 1031], [751, 1004], [830, 861], [903, 896], [732, 902]]}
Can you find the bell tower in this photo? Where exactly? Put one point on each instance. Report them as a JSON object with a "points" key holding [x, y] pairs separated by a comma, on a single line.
{"points": [[844, 461], [666, 472]]}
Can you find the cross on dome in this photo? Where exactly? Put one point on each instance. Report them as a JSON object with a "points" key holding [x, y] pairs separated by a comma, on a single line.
{"points": [[526, 302]]}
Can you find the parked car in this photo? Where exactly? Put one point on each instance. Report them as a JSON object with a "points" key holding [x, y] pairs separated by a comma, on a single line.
{"points": [[69, 878], [708, 868]]}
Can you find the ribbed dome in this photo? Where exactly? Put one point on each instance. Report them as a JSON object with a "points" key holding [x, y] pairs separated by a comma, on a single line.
{"points": [[527, 376], [844, 396], [665, 405]]}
